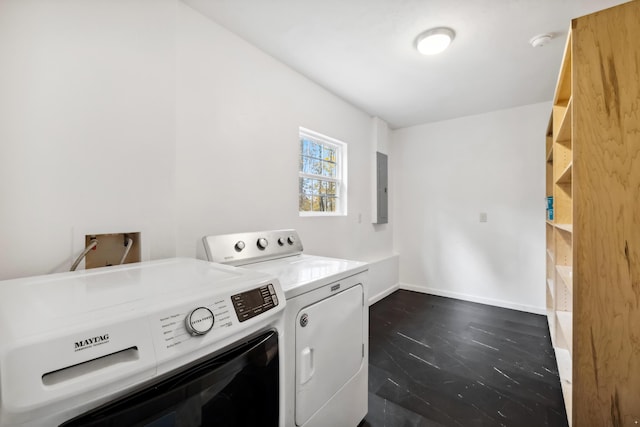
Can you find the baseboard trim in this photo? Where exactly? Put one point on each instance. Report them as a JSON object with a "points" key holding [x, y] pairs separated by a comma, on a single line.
{"points": [[474, 298], [374, 299]]}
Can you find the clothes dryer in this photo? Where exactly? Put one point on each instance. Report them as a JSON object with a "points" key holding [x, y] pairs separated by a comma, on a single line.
{"points": [[326, 324]]}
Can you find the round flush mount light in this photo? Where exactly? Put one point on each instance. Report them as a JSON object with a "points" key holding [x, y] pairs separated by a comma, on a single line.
{"points": [[434, 41], [540, 40]]}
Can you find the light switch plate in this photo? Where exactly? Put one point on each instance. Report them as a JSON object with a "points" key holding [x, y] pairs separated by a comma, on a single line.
{"points": [[483, 217]]}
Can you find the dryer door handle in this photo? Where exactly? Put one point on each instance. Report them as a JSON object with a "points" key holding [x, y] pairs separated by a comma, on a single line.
{"points": [[307, 367]]}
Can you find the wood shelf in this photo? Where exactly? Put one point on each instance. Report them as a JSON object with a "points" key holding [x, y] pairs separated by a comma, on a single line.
{"points": [[565, 324], [565, 227], [566, 275], [564, 132], [567, 393], [549, 134], [549, 144], [551, 318], [559, 112], [550, 254], [550, 285], [565, 176], [563, 86], [563, 358]]}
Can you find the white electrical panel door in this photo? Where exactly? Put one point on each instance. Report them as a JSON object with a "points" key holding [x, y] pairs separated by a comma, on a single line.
{"points": [[329, 349]]}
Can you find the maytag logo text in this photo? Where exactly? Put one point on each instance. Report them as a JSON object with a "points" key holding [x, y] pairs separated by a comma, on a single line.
{"points": [[91, 342]]}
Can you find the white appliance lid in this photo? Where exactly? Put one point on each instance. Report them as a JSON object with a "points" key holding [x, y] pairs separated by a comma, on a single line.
{"points": [[35, 305], [297, 273]]}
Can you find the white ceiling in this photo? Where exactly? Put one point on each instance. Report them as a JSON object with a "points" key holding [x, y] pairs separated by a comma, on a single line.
{"points": [[363, 50]]}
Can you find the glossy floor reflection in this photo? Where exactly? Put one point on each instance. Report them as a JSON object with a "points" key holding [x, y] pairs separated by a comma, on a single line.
{"points": [[437, 361]]}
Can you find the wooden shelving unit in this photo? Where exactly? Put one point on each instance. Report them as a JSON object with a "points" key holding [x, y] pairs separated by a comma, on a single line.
{"points": [[550, 254], [593, 241], [565, 275], [568, 228], [565, 175], [564, 130], [563, 358], [560, 236]]}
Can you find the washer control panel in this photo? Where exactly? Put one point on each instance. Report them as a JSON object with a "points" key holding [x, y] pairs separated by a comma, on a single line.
{"points": [[189, 326], [256, 301]]}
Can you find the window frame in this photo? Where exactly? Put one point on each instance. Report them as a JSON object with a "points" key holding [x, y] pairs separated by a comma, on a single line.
{"points": [[341, 172]]}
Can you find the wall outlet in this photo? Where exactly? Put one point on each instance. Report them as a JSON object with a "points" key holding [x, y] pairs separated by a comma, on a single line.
{"points": [[111, 247], [483, 217]]}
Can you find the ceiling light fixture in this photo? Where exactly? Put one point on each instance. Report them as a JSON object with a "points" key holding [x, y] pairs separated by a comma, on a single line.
{"points": [[540, 40], [434, 41]]}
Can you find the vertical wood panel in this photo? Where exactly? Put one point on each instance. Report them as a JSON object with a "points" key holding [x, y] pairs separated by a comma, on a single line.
{"points": [[606, 171]]}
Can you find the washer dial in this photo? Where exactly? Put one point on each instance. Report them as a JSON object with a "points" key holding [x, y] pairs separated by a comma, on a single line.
{"points": [[199, 321]]}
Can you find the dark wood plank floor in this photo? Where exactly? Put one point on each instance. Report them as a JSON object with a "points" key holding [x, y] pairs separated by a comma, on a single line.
{"points": [[437, 361]]}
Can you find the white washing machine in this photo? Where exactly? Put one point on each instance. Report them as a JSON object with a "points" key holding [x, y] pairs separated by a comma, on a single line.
{"points": [[326, 324], [179, 342]]}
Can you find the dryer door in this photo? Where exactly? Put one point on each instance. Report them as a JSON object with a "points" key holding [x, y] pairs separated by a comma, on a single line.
{"points": [[329, 349]]}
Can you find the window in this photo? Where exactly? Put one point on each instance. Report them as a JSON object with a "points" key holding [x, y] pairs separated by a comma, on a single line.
{"points": [[322, 175]]}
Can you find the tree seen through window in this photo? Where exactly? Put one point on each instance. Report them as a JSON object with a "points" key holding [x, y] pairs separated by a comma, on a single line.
{"points": [[319, 180]]}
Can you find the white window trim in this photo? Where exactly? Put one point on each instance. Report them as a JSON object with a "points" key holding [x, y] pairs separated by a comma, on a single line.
{"points": [[341, 161]]}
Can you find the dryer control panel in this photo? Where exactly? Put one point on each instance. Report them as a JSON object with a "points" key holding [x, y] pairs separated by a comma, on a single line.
{"points": [[248, 248]]}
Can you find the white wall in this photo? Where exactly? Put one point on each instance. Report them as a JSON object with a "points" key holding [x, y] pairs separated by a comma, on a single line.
{"points": [[237, 146], [87, 108], [442, 176], [142, 115]]}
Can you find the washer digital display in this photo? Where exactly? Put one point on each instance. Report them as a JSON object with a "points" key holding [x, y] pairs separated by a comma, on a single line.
{"points": [[251, 303]]}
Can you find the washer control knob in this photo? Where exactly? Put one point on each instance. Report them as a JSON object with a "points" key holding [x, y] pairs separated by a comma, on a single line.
{"points": [[281, 241], [199, 321], [291, 240], [239, 245], [262, 243]]}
